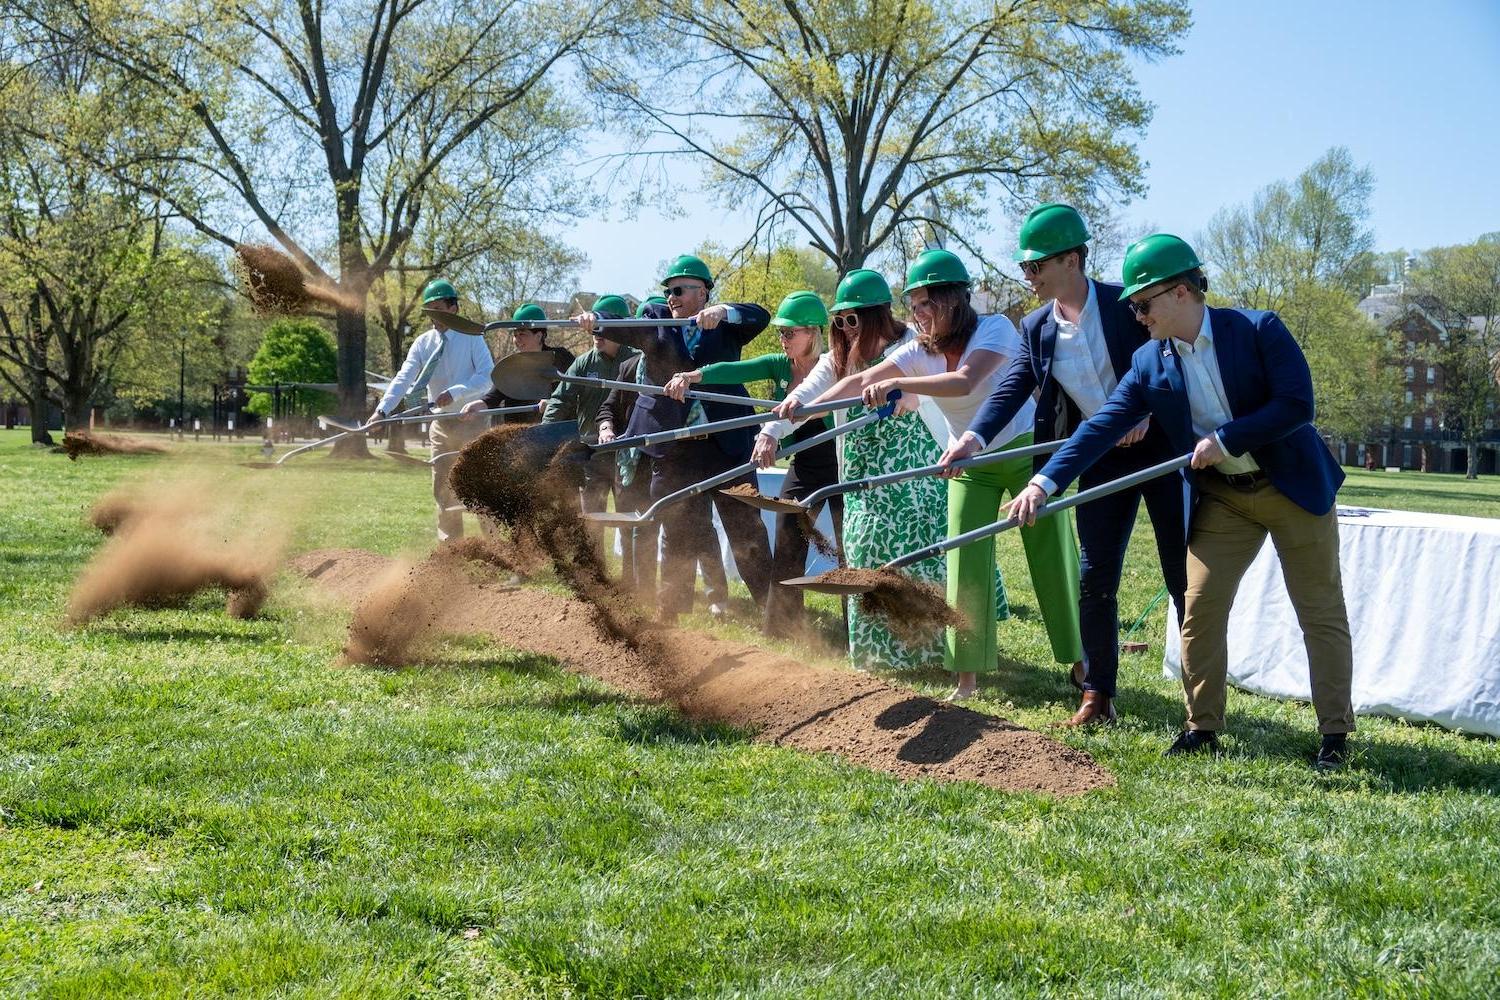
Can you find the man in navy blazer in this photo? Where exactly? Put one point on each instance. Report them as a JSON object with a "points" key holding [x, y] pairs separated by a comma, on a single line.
{"points": [[1075, 349], [1233, 388], [719, 334]]}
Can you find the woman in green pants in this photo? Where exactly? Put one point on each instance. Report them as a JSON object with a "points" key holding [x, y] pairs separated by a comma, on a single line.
{"points": [[956, 359]]}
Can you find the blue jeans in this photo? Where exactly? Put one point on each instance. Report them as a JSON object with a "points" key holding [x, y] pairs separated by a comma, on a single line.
{"points": [[1104, 528]]}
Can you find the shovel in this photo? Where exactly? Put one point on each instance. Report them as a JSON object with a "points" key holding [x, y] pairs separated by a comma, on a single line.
{"points": [[454, 322], [733, 423], [420, 418], [786, 505], [462, 324], [822, 586], [417, 414], [650, 513]]}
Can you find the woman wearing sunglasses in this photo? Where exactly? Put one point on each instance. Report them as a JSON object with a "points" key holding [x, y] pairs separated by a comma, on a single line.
{"points": [[799, 324], [879, 525], [956, 360]]}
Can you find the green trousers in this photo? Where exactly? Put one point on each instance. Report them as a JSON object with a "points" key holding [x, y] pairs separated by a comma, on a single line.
{"points": [[974, 500]]}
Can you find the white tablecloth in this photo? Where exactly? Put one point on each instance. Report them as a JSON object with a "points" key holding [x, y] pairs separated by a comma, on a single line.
{"points": [[1423, 592]]}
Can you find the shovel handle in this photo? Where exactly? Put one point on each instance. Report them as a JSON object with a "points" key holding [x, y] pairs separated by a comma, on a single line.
{"points": [[656, 390], [415, 411], [1084, 496], [602, 324], [989, 458], [718, 426]]}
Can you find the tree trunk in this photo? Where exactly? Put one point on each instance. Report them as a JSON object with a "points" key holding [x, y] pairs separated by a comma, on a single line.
{"points": [[37, 403], [1471, 471], [350, 336]]}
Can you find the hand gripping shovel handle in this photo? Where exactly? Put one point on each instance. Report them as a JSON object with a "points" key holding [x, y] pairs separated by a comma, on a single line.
{"points": [[1103, 490], [650, 513], [989, 458], [719, 426]]}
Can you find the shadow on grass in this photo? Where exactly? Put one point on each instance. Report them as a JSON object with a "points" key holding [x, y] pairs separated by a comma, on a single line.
{"points": [[947, 730]]}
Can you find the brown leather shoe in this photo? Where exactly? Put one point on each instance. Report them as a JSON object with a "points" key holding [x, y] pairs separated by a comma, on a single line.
{"points": [[1096, 709]]}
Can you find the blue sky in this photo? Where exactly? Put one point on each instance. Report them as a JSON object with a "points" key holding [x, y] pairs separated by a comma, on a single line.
{"points": [[1260, 91]]}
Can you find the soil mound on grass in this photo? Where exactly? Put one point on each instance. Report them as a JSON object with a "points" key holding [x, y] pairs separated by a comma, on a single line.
{"points": [[76, 443], [784, 702]]}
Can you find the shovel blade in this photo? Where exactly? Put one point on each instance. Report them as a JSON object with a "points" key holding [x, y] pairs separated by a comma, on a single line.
{"points": [[454, 322], [525, 375], [775, 505], [823, 586]]}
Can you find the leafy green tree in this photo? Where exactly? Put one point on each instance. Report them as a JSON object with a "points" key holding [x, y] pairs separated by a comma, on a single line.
{"points": [[338, 121], [1461, 284], [293, 351], [1301, 248], [765, 279], [849, 122]]}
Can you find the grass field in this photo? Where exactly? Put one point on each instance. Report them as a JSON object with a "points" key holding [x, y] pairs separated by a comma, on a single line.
{"points": [[196, 806]]}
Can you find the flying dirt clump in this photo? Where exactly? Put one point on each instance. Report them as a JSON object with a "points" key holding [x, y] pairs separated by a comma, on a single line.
{"points": [[154, 563], [276, 283], [404, 607], [806, 523], [76, 443], [913, 609]]}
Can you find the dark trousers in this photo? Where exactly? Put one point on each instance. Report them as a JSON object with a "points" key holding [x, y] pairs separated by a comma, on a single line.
{"points": [[638, 546], [687, 529], [810, 471], [1104, 528]]}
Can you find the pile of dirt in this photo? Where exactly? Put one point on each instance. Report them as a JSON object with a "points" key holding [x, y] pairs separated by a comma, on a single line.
{"points": [[75, 443], [913, 609], [276, 284], [782, 701], [163, 550]]}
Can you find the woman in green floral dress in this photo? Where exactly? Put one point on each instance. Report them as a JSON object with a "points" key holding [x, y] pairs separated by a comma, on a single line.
{"points": [[890, 521]]}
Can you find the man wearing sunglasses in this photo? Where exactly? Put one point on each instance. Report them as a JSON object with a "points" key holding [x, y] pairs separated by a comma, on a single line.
{"points": [[718, 333], [1075, 349], [1232, 387]]}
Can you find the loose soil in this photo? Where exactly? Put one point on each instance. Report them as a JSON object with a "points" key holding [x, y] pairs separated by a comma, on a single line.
{"points": [[76, 443], [161, 551], [276, 284], [806, 523], [781, 701], [913, 609]]}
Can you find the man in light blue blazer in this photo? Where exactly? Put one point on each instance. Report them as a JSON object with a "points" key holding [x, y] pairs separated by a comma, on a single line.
{"points": [[1232, 387]]}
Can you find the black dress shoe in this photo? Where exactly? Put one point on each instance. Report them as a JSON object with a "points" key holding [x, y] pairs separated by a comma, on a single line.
{"points": [[1333, 753], [1194, 741]]}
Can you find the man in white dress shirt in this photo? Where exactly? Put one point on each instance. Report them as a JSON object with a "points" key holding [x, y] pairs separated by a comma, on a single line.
{"points": [[450, 368]]}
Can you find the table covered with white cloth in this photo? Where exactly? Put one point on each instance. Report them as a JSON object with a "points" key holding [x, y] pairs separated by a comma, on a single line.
{"points": [[1423, 593]]}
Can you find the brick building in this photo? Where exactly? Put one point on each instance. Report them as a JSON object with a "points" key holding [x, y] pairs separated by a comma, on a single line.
{"points": [[1420, 441]]}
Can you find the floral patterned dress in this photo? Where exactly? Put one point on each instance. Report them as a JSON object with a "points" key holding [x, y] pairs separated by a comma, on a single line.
{"points": [[890, 521]]}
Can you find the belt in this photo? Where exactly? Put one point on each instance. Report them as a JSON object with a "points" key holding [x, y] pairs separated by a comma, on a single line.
{"points": [[1244, 481]]}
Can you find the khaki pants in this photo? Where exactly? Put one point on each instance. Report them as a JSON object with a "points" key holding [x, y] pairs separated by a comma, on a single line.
{"points": [[1228, 530], [450, 435]]}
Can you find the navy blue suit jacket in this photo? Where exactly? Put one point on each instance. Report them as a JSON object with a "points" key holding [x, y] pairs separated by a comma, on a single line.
{"points": [[1270, 395], [1031, 369], [665, 353]]}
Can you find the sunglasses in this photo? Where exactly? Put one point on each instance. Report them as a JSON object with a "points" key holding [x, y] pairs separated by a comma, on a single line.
{"points": [[850, 322], [678, 291], [1143, 307], [788, 332], [1029, 268]]}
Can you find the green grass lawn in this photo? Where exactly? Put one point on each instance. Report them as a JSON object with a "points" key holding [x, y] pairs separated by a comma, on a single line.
{"points": [[196, 806]]}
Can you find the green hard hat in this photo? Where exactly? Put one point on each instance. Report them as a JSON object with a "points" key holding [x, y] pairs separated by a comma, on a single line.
{"points": [[611, 305], [861, 287], [1156, 258], [1051, 229], [936, 267], [688, 266], [650, 300], [529, 311], [436, 290], [801, 309]]}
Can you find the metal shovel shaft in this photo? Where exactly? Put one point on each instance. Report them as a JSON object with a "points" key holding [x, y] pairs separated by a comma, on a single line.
{"points": [[415, 411], [602, 324], [656, 390], [718, 426], [989, 458], [1084, 496]]}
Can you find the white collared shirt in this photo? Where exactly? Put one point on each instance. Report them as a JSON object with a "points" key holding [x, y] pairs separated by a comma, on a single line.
{"points": [[996, 334], [463, 371], [1080, 358], [1207, 401]]}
